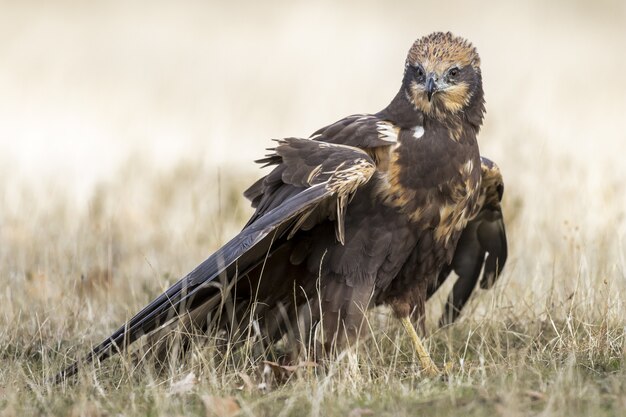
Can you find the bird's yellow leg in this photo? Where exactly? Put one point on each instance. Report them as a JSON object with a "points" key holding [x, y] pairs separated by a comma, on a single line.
{"points": [[429, 367]]}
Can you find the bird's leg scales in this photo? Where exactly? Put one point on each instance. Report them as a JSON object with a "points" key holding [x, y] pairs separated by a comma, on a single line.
{"points": [[429, 367]]}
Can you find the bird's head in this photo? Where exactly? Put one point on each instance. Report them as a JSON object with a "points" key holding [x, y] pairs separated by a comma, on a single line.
{"points": [[442, 76]]}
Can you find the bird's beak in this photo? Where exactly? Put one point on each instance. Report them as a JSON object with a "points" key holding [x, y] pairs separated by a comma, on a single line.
{"points": [[431, 87]]}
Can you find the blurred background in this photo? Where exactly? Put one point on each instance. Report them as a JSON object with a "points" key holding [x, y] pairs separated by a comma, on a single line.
{"points": [[127, 129]]}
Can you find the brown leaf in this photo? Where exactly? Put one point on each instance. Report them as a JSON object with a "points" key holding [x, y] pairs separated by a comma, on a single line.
{"points": [[220, 406]]}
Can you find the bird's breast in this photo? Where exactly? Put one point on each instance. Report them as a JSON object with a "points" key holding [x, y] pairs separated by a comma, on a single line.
{"points": [[433, 179]]}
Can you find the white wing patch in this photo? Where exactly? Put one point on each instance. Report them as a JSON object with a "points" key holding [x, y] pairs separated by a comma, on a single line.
{"points": [[418, 132], [387, 131]]}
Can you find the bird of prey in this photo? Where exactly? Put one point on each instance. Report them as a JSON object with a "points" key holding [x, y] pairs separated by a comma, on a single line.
{"points": [[481, 247], [367, 211]]}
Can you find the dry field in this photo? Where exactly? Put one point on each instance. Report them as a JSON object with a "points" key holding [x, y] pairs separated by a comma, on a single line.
{"points": [[126, 132]]}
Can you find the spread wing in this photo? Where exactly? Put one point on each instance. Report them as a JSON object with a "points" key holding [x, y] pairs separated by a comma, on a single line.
{"points": [[312, 180], [481, 247]]}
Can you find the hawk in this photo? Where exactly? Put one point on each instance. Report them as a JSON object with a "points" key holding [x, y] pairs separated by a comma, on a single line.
{"points": [[366, 211]]}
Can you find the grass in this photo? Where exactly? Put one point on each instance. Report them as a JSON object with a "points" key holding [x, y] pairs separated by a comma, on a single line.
{"points": [[548, 340], [82, 87]]}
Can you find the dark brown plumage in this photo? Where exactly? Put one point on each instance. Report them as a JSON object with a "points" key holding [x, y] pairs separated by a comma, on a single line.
{"points": [[482, 246], [368, 211]]}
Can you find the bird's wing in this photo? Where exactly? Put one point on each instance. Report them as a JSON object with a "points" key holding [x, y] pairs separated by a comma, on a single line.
{"points": [[323, 177], [486, 236], [482, 245], [492, 237], [491, 232], [361, 130], [305, 162]]}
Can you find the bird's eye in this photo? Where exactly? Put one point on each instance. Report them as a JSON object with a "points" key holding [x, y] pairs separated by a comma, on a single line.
{"points": [[419, 71], [453, 72]]}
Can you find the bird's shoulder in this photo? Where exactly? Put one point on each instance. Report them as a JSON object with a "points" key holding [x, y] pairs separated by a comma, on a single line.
{"points": [[365, 131]]}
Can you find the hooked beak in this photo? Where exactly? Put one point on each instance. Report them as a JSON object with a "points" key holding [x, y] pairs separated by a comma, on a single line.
{"points": [[431, 87]]}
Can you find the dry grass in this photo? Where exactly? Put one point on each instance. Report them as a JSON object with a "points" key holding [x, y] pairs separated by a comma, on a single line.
{"points": [[72, 276], [89, 234]]}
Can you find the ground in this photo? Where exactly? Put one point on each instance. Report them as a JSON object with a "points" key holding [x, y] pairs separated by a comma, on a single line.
{"points": [[70, 276]]}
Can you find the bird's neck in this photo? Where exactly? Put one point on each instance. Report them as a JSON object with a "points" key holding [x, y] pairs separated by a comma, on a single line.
{"points": [[404, 114]]}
